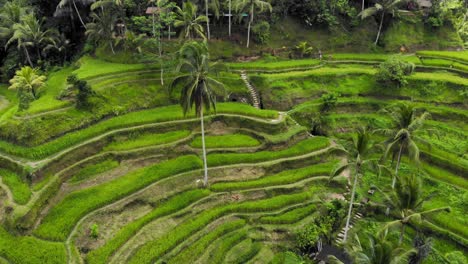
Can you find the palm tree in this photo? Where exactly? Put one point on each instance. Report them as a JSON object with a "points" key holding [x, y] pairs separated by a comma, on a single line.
{"points": [[405, 127], [29, 33], [27, 80], [250, 6], [230, 15], [378, 250], [102, 28], [60, 44], [382, 7], [72, 3], [407, 200], [358, 157], [188, 19], [199, 89], [10, 14]]}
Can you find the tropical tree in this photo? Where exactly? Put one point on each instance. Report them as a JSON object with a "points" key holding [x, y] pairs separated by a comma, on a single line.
{"points": [[406, 200], [60, 44], [11, 14], [72, 4], [382, 7], [27, 82], [358, 152], [406, 125], [189, 21], [378, 250], [199, 89], [249, 6], [29, 33], [102, 28]]}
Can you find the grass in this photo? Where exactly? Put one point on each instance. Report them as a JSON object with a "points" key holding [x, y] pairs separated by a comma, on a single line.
{"points": [[19, 189], [282, 178], [290, 216], [30, 250], [303, 147], [197, 248], [170, 205], [60, 220], [91, 67], [461, 56], [147, 139], [274, 65], [160, 114], [227, 243], [154, 249], [445, 176], [226, 141], [92, 170]]}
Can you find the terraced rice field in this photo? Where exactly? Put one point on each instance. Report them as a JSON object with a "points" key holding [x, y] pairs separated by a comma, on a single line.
{"points": [[125, 185]]}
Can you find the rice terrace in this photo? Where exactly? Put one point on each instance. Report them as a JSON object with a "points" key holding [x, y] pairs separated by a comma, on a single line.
{"points": [[233, 131]]}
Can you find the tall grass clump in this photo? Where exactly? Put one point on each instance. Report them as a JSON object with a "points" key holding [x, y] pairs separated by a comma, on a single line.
{"points": [[61, 218]]}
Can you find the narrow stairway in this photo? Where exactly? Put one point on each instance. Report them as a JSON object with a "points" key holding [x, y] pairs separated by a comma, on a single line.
{"points": [[340, 237], [253, 92]]}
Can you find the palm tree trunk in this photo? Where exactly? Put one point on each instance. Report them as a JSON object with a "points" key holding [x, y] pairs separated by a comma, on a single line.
{"points": [[28, 57], [205, 165], [78, 13], [348, 218], [397, 166], [111, 46], [402, 233], [160, 56], [169, 33], [380, 27], [207, 19], [362, 5], [250, 24], [230, 17]]}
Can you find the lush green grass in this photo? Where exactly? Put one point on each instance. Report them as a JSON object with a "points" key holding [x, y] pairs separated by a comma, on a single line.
{"points": [[358, 56], [226, 141], [92, 170], [160, 114], [243, 255], [275, 65], [303, 147], [60, 220], [19, 189], [282, 178], [454, 55], [156, 248], [227, 242], [147, 139], [91, 67], [191, 253], [445, 176], [171, 205], [30, 250], [439, 77], [290, 216]]}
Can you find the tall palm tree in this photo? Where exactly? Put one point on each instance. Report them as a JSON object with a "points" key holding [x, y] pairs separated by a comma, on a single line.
{"points": [[10, 14], [188, 19], [27, 80], [63, 4], [102, 28], [406, 200], [403, 133], [250, 6], [29, 33], [382, 7], [378, 250], [358, 158], [199, 89]]}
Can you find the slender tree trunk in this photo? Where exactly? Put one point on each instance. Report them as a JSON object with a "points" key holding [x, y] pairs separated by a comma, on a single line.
{"points": [[160, 56], [207, 19], [154, 30], [111, 46], [78, 13], [362, 5], [397, 166], [230, 13], [205, 165], [250, 24], [169, 33], [28, 57], [380, 27], [402, 233], [38, 51], [348, 218]]}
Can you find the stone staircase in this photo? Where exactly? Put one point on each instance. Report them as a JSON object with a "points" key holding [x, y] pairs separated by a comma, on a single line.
{"points": [[253, 92], [340, 237]]}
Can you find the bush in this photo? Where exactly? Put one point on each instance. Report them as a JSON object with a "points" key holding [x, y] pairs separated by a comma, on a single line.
{"points": [[261, 32], [94, 231], [394, 71]]}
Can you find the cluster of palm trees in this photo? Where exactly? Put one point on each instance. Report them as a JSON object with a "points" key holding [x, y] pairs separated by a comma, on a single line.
{"points": [[405, 198]]}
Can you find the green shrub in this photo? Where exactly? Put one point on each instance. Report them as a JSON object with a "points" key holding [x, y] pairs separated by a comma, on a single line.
{"points": [[261, 32], [303, 147], [19, 189], [226, 141], [147, 139], [91, 170], [94, 231], [196, 249], [61, 218], [393, 72], [171, 205]]}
